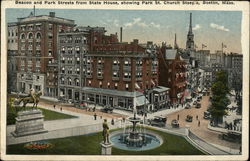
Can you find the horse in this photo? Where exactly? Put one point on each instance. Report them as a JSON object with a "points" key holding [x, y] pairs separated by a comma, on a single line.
{"points": [[29, 99]]}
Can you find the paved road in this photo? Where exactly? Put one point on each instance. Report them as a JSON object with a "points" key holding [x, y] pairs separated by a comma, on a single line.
{"points": [[201, 131]]}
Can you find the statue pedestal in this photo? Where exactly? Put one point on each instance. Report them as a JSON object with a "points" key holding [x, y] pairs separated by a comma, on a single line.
{"points": [[29, 122], [106, 148]]}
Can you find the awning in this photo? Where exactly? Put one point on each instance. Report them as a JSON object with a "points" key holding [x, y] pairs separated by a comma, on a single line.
{"points": [[137, 86], [141, 101], [152, 82]]}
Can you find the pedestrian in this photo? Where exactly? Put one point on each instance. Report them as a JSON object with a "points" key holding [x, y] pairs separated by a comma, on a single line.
{"points": [[94, 109], [112, 122], [178, 116], [199, 123], [196, 117], [95, 116], [101, 117], [123, 119], [61, 108], [54, 106]]}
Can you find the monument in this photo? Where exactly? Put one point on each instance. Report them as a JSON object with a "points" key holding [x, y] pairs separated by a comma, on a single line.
{"points": [[29, 122], [105, 144]]}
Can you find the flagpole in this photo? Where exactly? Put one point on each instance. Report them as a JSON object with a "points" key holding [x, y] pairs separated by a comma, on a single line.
{"points": [[222, 48]]}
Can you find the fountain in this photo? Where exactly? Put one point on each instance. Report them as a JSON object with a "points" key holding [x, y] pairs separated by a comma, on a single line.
{"points": [[135, 137]]}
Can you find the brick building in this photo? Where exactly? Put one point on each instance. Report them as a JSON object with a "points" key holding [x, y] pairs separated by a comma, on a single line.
{"points": [[172, 73], [120, 75], [37, 51]]}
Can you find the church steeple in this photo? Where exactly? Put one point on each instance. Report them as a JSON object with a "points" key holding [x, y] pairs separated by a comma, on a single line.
{"points": [[175, 42], [190, 36]]}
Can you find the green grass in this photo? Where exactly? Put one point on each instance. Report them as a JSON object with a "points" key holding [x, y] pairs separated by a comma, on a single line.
{"points": [[90, 145], [48, 115]]}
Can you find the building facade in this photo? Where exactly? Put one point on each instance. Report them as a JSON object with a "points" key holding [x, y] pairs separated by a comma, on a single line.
{"points": [[12, 49], [172, 73], [124, 75], [37, 50]]}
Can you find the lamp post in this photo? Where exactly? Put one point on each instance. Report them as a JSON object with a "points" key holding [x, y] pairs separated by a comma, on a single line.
{"points": [[145, 100]]}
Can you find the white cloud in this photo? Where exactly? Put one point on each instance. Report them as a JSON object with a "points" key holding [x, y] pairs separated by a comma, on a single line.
{"points": [[219, 27], [116, 23], [152, 24], [138, 22], [196, 27]]}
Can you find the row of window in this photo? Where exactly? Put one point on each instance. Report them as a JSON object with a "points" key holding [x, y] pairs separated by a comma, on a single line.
{"points": [[108, 85], [75, 40], [76, 81]]}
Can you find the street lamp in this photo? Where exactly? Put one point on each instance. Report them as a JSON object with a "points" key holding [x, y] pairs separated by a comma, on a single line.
{"points": [[145, 100]]}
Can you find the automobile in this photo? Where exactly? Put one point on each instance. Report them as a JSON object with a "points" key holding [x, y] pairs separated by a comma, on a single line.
{"points": [[189, 118], [175, 123], [188, 106], [107, 109], [158, 121], [70, 101], [195, 103], [198, 105], [198, 99], [233, 136], [207, 115]]}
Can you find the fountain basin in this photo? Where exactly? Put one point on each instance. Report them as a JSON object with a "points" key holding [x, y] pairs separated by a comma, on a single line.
{"points": [[147, 141]]}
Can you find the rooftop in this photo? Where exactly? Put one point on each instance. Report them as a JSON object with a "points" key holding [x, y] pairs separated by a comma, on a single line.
{"points": [[50, 17]]}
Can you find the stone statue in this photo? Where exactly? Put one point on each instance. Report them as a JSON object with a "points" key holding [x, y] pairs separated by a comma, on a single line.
{"points": [[32, 98], [105, 132]]}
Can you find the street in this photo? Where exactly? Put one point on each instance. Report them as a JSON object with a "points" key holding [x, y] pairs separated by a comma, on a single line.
{"points": [[201, 131]]}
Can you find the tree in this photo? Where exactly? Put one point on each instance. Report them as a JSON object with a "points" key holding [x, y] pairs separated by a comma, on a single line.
{"points": [[219, 101]]}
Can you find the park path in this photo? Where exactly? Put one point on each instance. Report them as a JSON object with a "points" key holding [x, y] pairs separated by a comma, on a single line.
{"points": [[82, 124]]}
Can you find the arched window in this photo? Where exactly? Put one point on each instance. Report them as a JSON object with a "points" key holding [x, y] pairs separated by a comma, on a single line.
{"points": [[22, 36], [38, 35], [77, 82], [30, 36], [69, 81]]}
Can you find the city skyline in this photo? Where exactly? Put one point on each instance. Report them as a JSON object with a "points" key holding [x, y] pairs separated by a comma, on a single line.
{"points": [[211, 28]]}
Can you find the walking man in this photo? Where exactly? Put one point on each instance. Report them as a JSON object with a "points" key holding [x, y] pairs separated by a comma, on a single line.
{"points": [[199, 123], [54, 106], [178, 116], [196, 117], [95, 116]]}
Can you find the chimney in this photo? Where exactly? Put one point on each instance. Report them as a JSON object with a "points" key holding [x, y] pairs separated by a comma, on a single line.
{"points": [[136, 41], [52, 14], [121, 34]]}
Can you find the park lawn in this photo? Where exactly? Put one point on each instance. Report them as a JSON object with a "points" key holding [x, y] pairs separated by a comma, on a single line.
{"points": [[48, 115], [90, 145]]}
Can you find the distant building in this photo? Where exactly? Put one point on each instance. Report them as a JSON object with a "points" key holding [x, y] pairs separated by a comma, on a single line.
{"points": [[37, 50], [12, 49], [172, 73]]}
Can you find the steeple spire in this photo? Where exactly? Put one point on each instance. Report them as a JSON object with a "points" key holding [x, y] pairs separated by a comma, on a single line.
{"points": [[190, 36], [190, 23], [175, 41]]}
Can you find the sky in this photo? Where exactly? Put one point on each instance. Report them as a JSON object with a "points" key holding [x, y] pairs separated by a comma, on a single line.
{"points": [[211, 28]]}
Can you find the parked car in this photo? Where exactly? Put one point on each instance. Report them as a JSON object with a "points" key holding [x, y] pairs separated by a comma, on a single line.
{"points": [[158, 121], [207, 115], [198, 105], [175, 123], [232, 136], [189, 118], [107, 109], [195, 103], [188, 106]]}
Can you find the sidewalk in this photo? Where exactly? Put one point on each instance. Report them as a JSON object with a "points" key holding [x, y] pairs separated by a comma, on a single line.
{"points": [[81, 125]]}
